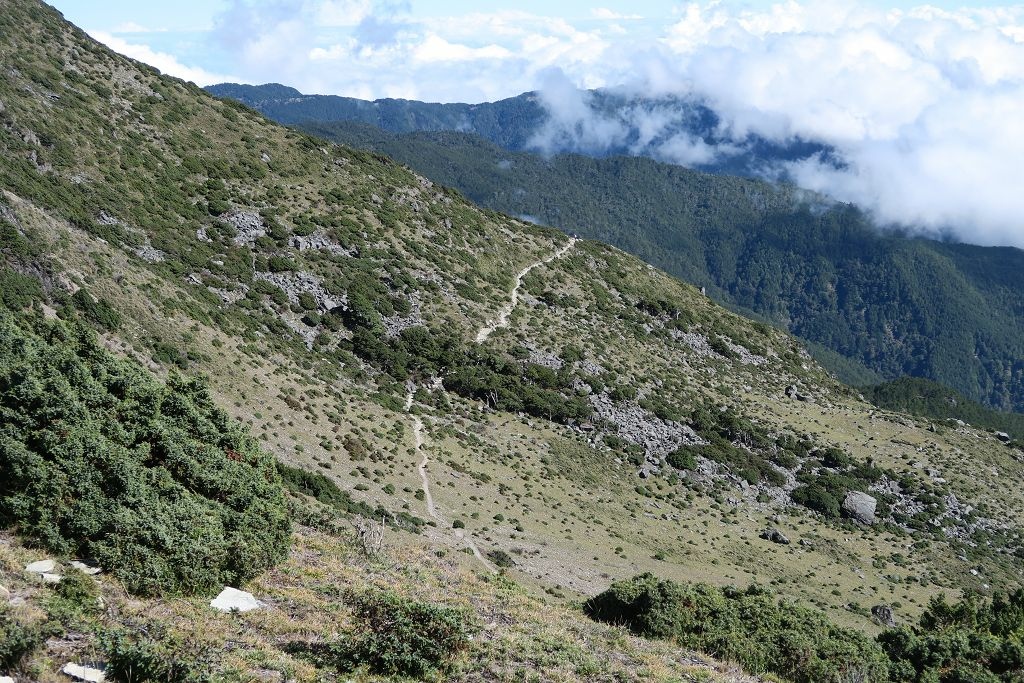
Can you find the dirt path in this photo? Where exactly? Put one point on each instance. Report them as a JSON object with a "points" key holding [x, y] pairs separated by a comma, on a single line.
{"points": [[417, 431], [506, 310]]}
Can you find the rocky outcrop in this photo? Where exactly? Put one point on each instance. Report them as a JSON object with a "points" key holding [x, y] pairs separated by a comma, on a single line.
{"points": [[295, 283], [884, 615], [638, 426], [248, 225], [775, 536], [319, 241], [860, 507]]}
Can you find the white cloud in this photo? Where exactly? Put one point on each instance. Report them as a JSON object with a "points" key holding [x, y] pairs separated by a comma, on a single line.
{"points": [[437, 49], [132, 27], [166, 63], [924, 109], [605, 13]]}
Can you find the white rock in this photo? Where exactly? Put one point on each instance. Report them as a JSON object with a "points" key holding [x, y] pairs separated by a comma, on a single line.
{"points": [[51, 578], [84, 673], [6, 679], [86, 569], [40, 567], [234, 600]]}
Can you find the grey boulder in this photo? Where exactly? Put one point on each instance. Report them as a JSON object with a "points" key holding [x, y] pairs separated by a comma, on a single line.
{"points": [[860, 507], [775, 536]]}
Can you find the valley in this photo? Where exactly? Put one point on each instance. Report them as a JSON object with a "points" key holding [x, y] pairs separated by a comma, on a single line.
{"points": [[423, 434]]}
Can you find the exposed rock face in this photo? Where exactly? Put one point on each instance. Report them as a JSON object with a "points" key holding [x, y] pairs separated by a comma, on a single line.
{"points": [[775, 536], [860, 507], [86, 569], [884, 615], [656, 436], [234, 600], [1003, 436], [792, 391], [297, 282], [319, 241], [248, 225]]}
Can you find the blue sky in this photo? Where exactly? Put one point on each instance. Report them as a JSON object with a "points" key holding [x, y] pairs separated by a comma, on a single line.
{"points": [[924, 103]]}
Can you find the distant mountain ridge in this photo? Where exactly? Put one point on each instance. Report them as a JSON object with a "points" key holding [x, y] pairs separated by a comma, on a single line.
{"points": [[674, 129]]}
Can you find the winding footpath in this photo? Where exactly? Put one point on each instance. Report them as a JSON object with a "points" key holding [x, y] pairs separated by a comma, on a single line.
{"points": [[506, 310], [417, 422], [417, 432]]}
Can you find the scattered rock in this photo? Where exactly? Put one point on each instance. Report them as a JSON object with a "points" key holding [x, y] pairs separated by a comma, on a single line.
{"points": [[775, 536], [248, 225], [793, 392], [86, 569], [41, 567], [1003, 436], [84, 673], [884, 615], [234, 600], [51, 578], [149, 253], [860, 506]]}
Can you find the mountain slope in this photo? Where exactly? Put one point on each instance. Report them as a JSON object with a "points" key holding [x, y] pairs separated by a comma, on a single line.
{"points": [[611, 419], [892, 304]]}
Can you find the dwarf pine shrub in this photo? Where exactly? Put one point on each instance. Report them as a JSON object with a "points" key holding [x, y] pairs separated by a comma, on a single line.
{"points": [[151, 480]]}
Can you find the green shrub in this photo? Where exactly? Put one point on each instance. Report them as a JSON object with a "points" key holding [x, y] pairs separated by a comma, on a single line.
{"points": [[975, 640], [683, 458], [324, 490], [149, 654], [18, 291], [17, 640], [835, 458], [815, 497], [751, 627], [398, 636], [96, 311], [75, 596], [500, 558], [98, 459]]}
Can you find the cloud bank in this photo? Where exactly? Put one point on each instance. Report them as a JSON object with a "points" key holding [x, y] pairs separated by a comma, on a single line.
{"points": [[915, 115], [922, 112]]}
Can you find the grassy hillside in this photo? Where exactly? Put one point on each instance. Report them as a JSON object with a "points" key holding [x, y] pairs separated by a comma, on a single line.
{"points": [[891, 304], [479, 421]]}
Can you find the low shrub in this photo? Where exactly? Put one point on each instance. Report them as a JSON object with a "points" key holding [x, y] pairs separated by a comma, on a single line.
{"points": [[751, 627], [398, 636], [149, 653], [76, 595], [501, 559], [153, 481], [97, 311], [975, 640], [17, 639]]}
